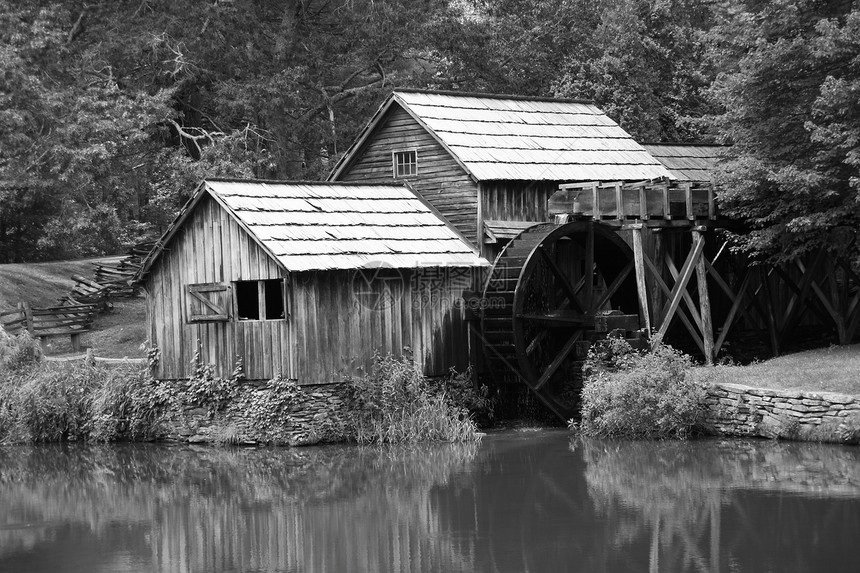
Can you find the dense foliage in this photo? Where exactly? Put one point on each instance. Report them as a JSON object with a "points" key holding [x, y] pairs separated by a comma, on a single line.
{"points": [[789, 87], [111, 112], [629, 394], [393, 403], [43, 401]]}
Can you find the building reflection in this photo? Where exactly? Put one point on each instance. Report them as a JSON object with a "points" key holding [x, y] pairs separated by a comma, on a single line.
{"points": [[517, 502]]}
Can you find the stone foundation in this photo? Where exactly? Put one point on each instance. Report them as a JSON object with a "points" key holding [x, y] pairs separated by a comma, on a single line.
{"points": [[315, 416], [735, 410]]}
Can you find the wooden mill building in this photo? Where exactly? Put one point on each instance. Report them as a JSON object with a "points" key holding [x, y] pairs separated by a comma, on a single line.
{"points": [[489, 163], [306, 280]]}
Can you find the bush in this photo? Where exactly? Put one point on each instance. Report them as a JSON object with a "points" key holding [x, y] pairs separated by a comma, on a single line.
{"points": [[67, 401], [268, 410], [632, 395], [395, 404]]}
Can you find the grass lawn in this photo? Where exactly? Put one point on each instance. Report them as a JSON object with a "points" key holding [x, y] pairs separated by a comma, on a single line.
{"points": [[116, 334], [41, 284], [833, 369]]}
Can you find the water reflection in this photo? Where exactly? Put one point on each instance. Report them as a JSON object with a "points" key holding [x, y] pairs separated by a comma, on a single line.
{"points": [[517, 502]]}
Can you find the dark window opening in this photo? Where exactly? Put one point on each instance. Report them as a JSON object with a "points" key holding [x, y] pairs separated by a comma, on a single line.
{"points": [[405, 163], [274, 299], [247, 300], [260, 300]]}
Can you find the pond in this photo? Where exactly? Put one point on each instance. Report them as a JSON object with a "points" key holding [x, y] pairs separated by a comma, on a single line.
{"points": [[518, 501]]}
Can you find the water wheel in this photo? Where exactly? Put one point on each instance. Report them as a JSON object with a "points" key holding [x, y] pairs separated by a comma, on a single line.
{"points": [[551, 291]]}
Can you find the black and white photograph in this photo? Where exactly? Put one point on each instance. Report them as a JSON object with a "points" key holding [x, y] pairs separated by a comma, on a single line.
{"points": [[429, 286]]}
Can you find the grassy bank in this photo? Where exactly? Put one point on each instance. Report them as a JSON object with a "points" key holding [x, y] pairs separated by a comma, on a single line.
{"points": [[47, 401], [832, 369], [115, 334]]}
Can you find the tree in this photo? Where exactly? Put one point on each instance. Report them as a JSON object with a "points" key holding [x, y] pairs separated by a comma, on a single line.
{"points": [[789, 93]]}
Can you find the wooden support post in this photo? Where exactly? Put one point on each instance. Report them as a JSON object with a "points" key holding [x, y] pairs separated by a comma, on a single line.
{"points": [[712, 208], [680, 287], [704, 299], [589, 265], [641, 287], [643, 203], [619, 203], [667, 214], [659, 251], [595, 202], [770, 320], [688, 198], [76, 342]]}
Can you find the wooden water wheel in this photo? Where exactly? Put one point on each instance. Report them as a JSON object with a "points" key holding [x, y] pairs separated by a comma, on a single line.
{"points": [[553, 290]]}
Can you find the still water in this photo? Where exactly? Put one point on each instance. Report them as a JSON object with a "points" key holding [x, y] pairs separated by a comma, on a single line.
{"points": [[517, 502]]}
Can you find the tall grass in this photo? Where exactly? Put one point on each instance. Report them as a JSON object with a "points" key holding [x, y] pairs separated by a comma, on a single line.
{"points": [[395, 404], [74, 401]]}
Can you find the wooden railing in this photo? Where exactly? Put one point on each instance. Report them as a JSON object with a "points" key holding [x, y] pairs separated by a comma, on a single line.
{"points": [[44, 323], [645, 200]]}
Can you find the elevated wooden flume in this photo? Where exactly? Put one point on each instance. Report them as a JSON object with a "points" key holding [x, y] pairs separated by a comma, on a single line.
{"points": [[622, 257]]}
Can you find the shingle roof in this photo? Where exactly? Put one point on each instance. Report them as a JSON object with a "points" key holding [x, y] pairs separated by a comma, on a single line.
{"points": [[686, 161], [326, 226], [508, 137]]}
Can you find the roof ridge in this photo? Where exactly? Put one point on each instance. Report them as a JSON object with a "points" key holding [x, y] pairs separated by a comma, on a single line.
{"points": [[302, 182], [490, 95], [681, 143]]}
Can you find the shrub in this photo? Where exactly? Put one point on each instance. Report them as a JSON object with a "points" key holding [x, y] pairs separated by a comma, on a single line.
{"points": [[67, 401], [18, 353], [268, 410], [394, 404], [129, 405], [204, 389], [633, 395]]}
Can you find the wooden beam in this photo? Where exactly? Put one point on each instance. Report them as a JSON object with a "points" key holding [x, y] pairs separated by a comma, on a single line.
{"points": [[589, 266], [736, 304], [688, 300], [558, 360], [641, 287], [681, 283], [616, 284], [704, 302], [688, 199], [658, 280], [791, 314], [770, 321], [559, 276]]}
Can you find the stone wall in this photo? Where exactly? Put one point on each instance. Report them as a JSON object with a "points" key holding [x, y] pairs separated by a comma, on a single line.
{"points": [[314, 416], [735, 410]]}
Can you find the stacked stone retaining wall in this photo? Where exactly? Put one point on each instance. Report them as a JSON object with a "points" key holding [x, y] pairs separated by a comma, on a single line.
{"points": [[736, 410], [314, 416]]}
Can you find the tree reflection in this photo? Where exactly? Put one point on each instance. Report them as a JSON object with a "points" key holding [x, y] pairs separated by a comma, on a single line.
{"points": [[716, 505]]}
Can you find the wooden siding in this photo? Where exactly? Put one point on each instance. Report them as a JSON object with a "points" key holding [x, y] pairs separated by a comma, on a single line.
{"points": [[440, 180], [513, 201], [342, 321], [212, 248]]}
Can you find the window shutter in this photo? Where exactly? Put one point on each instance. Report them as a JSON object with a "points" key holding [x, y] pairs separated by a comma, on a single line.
{"points": [[208, 302]]}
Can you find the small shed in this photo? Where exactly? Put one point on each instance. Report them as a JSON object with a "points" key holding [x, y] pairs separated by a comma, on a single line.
{"points": [[307, 280], [488, 162]]}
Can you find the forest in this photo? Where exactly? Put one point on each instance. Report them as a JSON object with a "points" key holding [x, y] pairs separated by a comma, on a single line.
{"points": [[112, 111]]}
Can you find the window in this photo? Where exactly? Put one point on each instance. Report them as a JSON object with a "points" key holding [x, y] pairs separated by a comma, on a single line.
{"points": [[260, 300], [405, 163], [207, 302]]}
